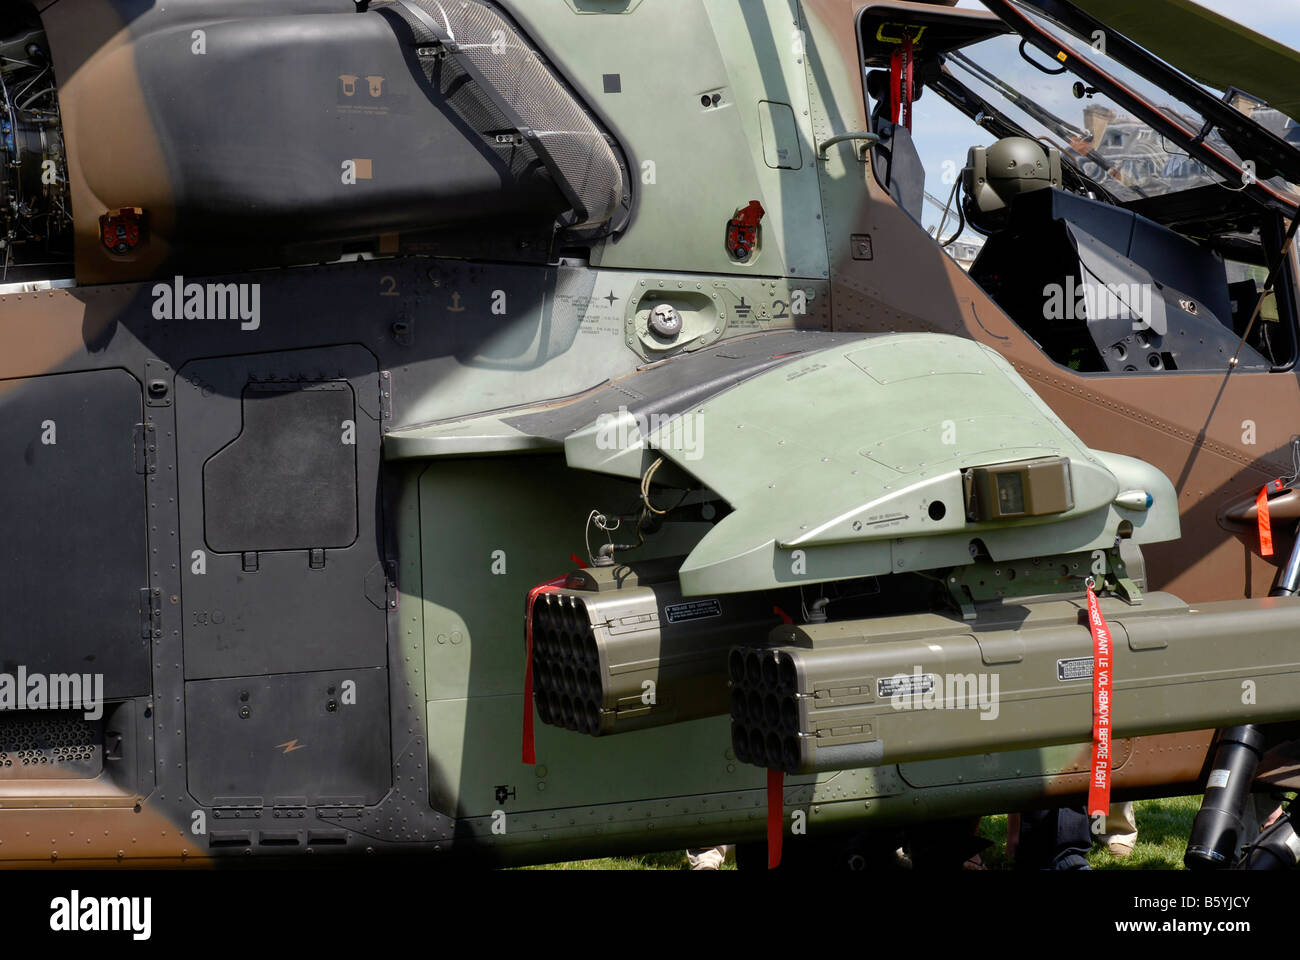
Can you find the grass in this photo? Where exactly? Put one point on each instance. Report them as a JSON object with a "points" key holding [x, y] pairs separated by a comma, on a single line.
{"points": [[670, 860], [1163, 828]]}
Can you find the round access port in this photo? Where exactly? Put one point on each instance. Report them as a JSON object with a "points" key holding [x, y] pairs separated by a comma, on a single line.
{"points": [[756, 748], [790, 753], [774, 750], [772, 710], [789, 673], [739, 709], [740, 742], [736, 666], [937, 510], [789, 715]]}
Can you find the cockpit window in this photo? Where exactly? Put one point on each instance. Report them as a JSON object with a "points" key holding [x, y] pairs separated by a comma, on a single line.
{"points": [[1115, 248], [1141, 161]]}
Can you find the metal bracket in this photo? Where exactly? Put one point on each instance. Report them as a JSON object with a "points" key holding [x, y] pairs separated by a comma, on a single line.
{"points": [[957, 591], [150, 613], [1124, 587], [158, 379], [145, 448], [385, 395]]}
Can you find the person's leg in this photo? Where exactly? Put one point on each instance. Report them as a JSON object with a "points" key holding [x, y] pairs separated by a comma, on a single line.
{"points": [[707, 858], [1121, 829], [1054, 839]]}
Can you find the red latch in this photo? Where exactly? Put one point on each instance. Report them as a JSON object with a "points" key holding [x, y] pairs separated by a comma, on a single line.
{"points": [[122, 230], [742, 230]]}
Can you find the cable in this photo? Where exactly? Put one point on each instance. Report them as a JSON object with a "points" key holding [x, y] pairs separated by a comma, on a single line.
{"points": [[961, 217], [647, 511], [645, 487], [1295, 462], [602, 523], [938, 231]]}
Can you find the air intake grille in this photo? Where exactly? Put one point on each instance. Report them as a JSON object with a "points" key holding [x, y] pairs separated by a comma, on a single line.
{"points": [[50, 744]]}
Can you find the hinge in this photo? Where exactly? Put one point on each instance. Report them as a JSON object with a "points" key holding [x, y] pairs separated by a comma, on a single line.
{"points": [[144, 444], [340, 808], [385, 395], [237, 808], [150, 613]]}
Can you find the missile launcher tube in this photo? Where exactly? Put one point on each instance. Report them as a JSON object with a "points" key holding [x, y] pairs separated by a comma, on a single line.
{"points": [[898, 689]]}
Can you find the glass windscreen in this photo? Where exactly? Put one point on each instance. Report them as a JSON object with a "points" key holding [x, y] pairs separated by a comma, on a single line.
{"points": [[1110, 144]]}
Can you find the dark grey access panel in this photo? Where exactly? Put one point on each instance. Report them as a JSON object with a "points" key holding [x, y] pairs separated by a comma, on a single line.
{"points": [[278, 470], [307, 739], [289, 480], [73, 535]]}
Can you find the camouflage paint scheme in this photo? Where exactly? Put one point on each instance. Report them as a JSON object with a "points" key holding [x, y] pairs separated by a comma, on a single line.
{"points": [[458, 485]]}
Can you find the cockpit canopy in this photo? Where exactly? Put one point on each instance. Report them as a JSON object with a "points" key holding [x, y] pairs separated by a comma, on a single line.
{"points": [[1129, 214]]}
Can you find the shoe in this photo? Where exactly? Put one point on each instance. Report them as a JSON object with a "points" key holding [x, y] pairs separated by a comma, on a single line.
{"points": [[1118, 848]]}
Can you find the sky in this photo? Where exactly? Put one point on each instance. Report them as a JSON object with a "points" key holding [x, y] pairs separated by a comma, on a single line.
{"points": [[1279, 19], [943, 135]]}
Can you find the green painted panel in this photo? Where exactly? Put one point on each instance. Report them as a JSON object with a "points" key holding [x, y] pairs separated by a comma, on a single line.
{"points": [[490, 530]]}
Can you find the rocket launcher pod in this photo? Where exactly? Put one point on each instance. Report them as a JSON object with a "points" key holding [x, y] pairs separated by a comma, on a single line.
{"points": [[620, 649], [859, 693]]}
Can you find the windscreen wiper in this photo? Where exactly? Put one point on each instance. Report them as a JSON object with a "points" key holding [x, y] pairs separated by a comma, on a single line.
{"points": [[1255, 139], [999, 125], [1063, 129], [1281, 156], [1031, 107]]}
